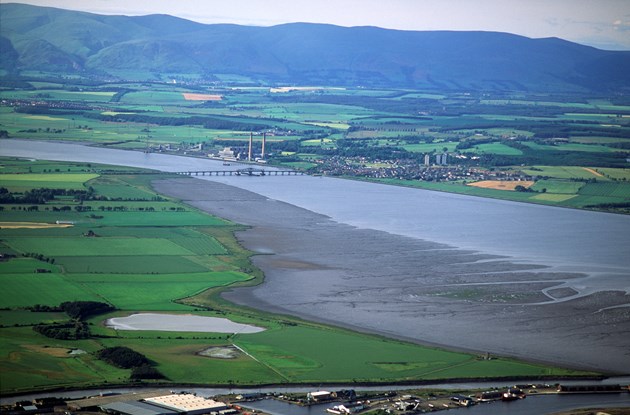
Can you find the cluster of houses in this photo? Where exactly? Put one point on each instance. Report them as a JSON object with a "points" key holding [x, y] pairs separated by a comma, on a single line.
{"points": [[410, 170]]}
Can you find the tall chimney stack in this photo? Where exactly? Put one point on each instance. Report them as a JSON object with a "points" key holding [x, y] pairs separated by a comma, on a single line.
{"points": [[262, 154], [249, 153]]}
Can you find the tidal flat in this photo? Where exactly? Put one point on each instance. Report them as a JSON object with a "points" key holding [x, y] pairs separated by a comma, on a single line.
{"points": [[413, 289]]}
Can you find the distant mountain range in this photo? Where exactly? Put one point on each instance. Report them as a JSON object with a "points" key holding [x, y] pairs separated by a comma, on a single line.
{"points": [[41, 38]]}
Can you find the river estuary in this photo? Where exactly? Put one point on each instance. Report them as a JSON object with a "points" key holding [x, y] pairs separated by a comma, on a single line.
{"points": [[536, 282]]}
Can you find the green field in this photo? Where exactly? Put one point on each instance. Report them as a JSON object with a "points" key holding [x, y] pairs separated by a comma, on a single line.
{"points": [[562, 172], [26, 181], [52, 247], [559, 186], [497, 148]]}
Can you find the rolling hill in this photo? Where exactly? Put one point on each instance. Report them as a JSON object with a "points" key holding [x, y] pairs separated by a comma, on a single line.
{"points": [[41, 38]]}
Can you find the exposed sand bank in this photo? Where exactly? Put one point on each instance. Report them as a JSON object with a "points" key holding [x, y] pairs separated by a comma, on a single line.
{"points": [[413, 289]]}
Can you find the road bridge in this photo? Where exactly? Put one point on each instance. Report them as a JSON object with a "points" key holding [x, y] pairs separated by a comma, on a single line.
{"points": [[249, 171]]}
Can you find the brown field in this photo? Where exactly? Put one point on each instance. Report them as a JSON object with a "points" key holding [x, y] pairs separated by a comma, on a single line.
{"points": [[32, 225], [501, 185], [593, 172], [201, 97], [52, 351]]}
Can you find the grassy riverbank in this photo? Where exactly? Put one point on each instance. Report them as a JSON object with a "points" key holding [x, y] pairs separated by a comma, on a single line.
{"points": [[112, 239]]}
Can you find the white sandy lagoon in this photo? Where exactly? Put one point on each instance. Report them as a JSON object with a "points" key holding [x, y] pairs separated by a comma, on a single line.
{"points": [[179, 322]]}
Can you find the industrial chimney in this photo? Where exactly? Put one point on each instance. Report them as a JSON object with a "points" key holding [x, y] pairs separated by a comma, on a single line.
{"points": [[249, 153]]}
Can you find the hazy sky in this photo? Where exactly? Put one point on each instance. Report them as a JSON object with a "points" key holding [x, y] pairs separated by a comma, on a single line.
{"points": [[601, 23]]}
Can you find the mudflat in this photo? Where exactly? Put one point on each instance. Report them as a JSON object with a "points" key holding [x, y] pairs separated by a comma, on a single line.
{"points": [[414, 289]]}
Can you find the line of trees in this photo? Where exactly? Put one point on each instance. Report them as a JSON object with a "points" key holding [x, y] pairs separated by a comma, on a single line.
{"points": [[75, 329], [43, 195], [207, 122]]}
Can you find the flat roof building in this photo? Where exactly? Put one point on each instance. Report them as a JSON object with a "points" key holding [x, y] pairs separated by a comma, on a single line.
{"points": [[135, 408], [188, 403]]}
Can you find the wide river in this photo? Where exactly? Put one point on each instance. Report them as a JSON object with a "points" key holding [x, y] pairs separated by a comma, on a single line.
{"points": [[525, 280]]}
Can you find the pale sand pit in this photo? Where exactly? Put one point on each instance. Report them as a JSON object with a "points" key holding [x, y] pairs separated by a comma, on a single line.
{"points": [[201, 97], [596, 173], [501, 185], [217, 352], [179, 322], [32, 225]]}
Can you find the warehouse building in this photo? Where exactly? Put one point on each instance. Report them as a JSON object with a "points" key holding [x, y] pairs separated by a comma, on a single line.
{"points": [[174, 404]]}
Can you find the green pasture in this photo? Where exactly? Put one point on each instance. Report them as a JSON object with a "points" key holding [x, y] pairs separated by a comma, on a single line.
{"points": [[314, 112], [26, 317], [152, 292], [14, 213], [562, 172], [597, 140], [558, 186], [390, 121], [613, 190], [178, 359], [301, 354], [570, 147], [155, 98], [615, 174], [31, 362], [121, 191], [84, 246], [28, 181], [17, 165], [330, 124], [552, 197], [609, 118], [46, 85], [495, 148], [127, 264], [58, 95], [157, 218], [67, 127], [25, 266], [497, 132], [323, 142], [25, 290], [541, 103]]}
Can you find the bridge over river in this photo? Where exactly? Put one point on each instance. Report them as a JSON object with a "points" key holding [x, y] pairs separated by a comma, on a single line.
{"points": [[248, 171]]}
